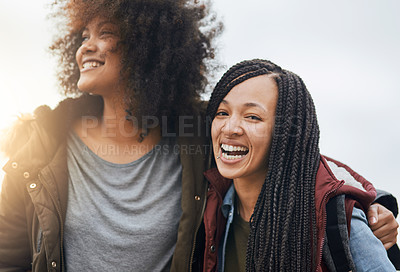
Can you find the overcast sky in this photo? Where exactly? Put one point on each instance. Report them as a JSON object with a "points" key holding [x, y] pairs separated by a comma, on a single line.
{"points": [[345, 51]]}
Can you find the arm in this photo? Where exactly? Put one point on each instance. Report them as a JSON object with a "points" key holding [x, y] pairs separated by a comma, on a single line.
{"points": [[14, 241], [367, 251]]}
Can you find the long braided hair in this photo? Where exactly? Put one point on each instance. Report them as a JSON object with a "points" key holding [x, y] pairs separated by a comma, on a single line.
{"points": [[283, 225]]}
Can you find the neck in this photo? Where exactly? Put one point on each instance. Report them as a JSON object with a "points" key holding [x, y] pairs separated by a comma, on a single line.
{"points": [[113, 123], [247, 191], [114, 127], [114, 138]]}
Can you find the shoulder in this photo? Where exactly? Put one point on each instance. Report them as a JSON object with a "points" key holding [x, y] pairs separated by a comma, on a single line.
{"points": [[19, 133], [46, 126], [335, 175], [27, 145]]}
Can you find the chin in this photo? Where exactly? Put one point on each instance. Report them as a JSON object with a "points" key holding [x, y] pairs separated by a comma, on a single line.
{"points": [[82, 87], [85, 89], [228, 173]]}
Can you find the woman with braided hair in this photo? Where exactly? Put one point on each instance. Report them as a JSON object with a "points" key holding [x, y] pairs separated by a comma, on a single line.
{"points": [[265, 138]]}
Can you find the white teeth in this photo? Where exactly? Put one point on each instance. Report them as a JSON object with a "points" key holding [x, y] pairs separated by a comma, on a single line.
{"points": [[229, 148], [226, 147], [91, 64], [231, 157]]}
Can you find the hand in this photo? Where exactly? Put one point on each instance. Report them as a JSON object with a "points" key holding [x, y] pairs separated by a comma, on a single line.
{"points": [[383, 224]]}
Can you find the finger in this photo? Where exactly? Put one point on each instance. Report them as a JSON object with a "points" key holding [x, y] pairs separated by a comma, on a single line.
{"points": [[388, 242], [378, 226], [373, 214], [391, 238], [388, 245], [385, 225], [385, 218], [385, 230]]}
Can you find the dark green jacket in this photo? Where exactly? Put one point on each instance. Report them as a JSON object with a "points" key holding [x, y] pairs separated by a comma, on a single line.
{"points": [[34, 193]]}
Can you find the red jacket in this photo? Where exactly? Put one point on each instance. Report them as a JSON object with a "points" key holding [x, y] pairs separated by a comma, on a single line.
{"points": [[326, 187]]}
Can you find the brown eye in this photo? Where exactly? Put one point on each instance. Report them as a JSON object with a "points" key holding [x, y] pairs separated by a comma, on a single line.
{"points": [[253, 117], [106, 32], [221, 113], [85, 36]]}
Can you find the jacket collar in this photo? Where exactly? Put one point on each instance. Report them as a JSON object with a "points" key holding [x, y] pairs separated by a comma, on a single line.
{"points": [[228, 202], [219, 183]]}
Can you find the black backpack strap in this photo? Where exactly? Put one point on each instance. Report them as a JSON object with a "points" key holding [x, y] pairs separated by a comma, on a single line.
{"points": [[337, 250], [394, 256]]}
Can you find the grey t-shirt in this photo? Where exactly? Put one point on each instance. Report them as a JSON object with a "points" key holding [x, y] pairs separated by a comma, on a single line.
{"points": [[122, 217]]}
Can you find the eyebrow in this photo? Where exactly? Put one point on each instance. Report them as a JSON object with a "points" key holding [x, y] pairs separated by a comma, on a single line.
{"points": [[99, 25], [247, 105], [105, 22]]}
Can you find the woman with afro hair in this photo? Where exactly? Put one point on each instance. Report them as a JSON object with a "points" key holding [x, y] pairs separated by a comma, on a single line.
{"points": [[111, 179]]}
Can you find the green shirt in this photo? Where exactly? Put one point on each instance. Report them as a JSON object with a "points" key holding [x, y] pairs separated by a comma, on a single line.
{"points": [[236, 246]]}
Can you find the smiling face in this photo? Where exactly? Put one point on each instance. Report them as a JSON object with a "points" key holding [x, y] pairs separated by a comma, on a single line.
{"points": [[98, 58], [242, 128]]}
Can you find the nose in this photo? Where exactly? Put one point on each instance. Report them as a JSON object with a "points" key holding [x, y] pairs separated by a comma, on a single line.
{"points": [[87, 46], [233, 126]]}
